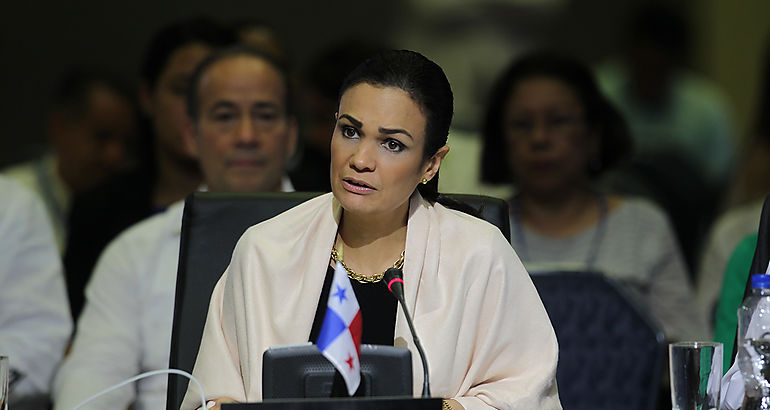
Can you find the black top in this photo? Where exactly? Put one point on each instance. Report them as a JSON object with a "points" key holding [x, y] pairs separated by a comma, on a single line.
{"points": [[378, 311]]}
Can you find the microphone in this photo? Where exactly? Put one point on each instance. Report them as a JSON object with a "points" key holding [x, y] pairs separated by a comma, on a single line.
{"points": [[393, 279]]}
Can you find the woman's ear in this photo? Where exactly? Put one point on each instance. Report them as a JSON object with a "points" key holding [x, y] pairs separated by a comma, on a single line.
{"points": [[434, 163]]}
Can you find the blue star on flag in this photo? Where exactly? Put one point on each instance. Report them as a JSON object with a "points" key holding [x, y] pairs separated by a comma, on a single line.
{"points": [[340, 293]]}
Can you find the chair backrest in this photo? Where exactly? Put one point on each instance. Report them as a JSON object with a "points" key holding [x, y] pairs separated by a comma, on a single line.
{"points": [[212, 224], [610, 353], [492, 210]]}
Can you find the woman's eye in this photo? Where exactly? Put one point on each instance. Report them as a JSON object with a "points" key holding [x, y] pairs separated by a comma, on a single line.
{"points": [[349, 132], [393, 145]]}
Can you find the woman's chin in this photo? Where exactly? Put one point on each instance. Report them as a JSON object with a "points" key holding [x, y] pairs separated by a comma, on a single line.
{"points": [[357, 204]]}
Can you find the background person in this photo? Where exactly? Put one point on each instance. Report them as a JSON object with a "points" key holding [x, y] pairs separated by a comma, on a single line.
{"points": [[90, 128], [684, 140], [242, 130], [550, 131], [166, 172], [35, 323], [751, 186]]}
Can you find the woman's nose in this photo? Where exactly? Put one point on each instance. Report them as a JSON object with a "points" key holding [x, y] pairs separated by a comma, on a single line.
{"points": [[363, 158], [539, 132]]}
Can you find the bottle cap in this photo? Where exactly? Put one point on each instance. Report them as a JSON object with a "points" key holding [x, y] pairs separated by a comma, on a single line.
{"points": [[760, 281]]}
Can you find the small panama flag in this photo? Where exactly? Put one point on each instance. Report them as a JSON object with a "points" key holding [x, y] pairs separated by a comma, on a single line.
{"points": [[340, 336]]}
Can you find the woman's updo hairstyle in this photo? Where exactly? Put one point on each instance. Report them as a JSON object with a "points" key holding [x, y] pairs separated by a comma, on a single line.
{"points": [[602, 118], [426, 84]]}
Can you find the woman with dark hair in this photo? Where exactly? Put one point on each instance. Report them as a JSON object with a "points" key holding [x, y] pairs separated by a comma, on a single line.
{"points": [[550, 131], [488, 339]]}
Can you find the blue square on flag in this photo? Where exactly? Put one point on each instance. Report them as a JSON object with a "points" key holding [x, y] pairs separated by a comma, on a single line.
{"points": [[340, 336]]}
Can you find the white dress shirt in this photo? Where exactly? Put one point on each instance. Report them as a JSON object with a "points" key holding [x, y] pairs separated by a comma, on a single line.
{"points": [[35, 322], [41, 177], [125, 327]]}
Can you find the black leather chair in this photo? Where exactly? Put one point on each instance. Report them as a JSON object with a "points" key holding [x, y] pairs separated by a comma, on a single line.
{"points": [[610, 354], [211, 226]]}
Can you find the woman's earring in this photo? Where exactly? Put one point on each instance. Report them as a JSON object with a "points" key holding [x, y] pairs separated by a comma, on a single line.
{"points": [[335, 117], [424, 181]]}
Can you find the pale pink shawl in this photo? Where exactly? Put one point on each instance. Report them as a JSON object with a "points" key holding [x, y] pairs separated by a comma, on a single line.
{"points": [[487, 337]]}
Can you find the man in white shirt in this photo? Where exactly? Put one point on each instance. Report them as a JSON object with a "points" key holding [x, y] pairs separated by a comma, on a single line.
{"points": [[243, 131], [35, 322]]}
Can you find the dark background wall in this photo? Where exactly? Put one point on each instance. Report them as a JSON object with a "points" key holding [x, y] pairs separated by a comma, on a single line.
{"points": [[41, 39]]}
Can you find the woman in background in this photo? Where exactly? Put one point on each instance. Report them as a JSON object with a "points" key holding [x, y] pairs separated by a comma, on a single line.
{"points": [[488, 339], [551, 132]]}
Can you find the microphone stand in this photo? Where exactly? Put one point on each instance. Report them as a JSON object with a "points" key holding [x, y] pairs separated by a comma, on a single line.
{"points": [[395, 283]]}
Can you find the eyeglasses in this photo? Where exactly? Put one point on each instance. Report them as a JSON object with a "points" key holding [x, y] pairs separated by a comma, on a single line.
{"points": [[553, 124]]}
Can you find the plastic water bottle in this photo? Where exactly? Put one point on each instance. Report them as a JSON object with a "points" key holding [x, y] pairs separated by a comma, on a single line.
{"points": [[754, 344]]}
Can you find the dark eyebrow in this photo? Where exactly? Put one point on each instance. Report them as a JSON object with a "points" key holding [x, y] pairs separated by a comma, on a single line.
{"points": [[355, 122], [395, 131], [222, 104]]}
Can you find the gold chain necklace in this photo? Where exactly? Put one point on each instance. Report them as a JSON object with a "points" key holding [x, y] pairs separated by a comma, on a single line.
{"points": [[363, 278]]}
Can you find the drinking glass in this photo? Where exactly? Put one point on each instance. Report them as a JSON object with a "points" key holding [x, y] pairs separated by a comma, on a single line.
{"points": [[4, 375], [696, 372]]}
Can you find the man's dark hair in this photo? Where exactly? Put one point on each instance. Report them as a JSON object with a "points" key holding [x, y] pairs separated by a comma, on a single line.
{"points": [[177, 35], [73, 90]]}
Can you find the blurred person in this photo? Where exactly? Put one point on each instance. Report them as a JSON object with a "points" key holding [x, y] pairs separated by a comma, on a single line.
{"points": [[35, 322], [550, 131], [92, 121], [683, 132], [166, 172], [242, 130], [751, 186], [668, 107], [488, 339], [321, 83]]}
